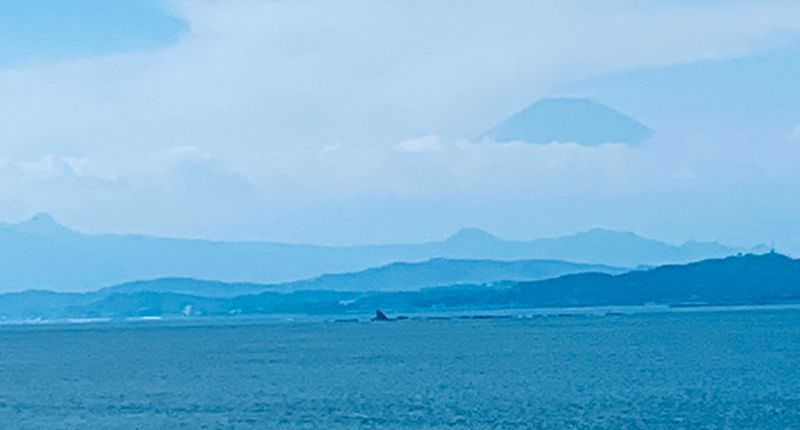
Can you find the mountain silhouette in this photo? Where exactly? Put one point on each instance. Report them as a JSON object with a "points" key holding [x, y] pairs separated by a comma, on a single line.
{"points": [[42, 254], [581, 121], [43, 224]]}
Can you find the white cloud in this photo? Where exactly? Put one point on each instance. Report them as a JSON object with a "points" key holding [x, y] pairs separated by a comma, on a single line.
{"points": [[50, 166], [422, 144], [330, 148], [189, 152]]}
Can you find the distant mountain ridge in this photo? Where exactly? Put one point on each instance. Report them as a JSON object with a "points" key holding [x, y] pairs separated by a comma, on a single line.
{"points": [[748, 279], [391, 277], [444, 271], [740, 280], [42, 254]]}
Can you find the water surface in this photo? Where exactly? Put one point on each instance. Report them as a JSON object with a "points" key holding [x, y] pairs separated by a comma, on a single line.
{"points": [[661, 370]]}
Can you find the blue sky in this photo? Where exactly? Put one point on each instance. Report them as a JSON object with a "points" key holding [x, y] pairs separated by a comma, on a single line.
{"points": [[348, 122], [40, 31], [736, 94]]}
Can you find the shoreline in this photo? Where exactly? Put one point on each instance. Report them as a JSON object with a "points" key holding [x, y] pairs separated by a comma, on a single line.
{"points": [[424, 315]]}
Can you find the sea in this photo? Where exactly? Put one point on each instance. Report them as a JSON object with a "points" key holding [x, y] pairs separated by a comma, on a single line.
{"points": [[690, 369]]}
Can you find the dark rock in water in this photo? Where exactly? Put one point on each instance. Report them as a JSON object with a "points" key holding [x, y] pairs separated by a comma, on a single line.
{"points": [[380, 316]]}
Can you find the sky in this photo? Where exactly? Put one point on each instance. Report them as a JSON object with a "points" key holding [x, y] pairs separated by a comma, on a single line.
{"points": [[351, 122]]}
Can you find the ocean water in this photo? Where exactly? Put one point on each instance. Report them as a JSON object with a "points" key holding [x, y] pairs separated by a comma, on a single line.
{"points": [[691, 370]]}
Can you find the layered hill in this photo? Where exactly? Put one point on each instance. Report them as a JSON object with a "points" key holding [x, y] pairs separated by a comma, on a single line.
{"points": [[42, 254], [392, 277], [750, 279]]}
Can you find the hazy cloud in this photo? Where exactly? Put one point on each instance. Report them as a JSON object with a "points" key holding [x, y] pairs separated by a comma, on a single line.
{"points": [[289, 120]]}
